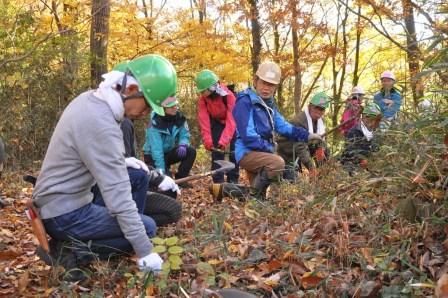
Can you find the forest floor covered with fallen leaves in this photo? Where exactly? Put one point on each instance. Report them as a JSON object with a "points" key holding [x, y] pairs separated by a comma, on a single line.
{"points": [[380, 233]]}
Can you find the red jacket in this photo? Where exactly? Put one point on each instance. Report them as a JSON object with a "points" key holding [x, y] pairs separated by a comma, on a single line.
{"points": [[217, 109]]}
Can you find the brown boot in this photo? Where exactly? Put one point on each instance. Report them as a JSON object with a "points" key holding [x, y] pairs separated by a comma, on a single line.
{"points": [[215, 190], [230, 190]]}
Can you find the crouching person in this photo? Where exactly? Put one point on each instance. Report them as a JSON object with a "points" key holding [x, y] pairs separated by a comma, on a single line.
{"points": [[257, 120], [168, 141], [87, 148], [360, 142], [309, 154], [161, 204], [388, 99]]}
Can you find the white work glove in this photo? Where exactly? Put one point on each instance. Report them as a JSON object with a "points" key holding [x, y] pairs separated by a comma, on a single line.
{"points": [[132, 162], [152, 262], [314, 136], [169, 184]]}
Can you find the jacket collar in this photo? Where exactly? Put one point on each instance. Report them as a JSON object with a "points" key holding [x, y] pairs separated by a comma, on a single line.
{"points": [[393, 90], [255, 99]]}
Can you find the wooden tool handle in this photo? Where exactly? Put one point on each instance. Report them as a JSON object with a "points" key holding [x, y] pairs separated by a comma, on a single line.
{"points": [[37, 226]]}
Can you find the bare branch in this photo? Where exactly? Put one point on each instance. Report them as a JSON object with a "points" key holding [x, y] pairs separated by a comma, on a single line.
{"points": [[383, 33], [24, 56], [314, 81]]}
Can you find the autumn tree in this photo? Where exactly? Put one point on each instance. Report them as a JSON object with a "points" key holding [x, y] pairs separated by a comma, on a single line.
{"points": [[256, 34], [99, 35]]}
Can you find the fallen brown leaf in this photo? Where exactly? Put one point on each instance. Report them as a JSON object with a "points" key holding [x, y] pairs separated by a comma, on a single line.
{"points": [[442, 287], [23, 281]]}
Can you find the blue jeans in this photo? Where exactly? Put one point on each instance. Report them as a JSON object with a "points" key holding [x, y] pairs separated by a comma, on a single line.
{"points": [[93, 223]]}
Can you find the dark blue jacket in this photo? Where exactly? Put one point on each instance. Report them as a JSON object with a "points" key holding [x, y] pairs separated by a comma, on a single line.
{"points": [[256, 121]]}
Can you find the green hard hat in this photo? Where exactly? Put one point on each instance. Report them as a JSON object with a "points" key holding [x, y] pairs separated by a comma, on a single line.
{"points": [[156, 77], [372, 109], [205, 79], [121, 66], [320, 100]]}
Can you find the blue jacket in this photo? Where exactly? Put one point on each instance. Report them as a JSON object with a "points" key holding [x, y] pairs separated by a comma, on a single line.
{"points": [[162, 137], [388, 112], [256, 121]]}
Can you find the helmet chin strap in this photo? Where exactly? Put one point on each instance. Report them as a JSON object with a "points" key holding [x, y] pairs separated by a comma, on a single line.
{"points": [[122, 89]]}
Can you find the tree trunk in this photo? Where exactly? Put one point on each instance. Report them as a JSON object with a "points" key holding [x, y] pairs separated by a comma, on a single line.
{"points": [[413, 51], [338, 81], [295, 62], [201, 7], [280, 98], [338, 102], [357, 48], [256, 35], [99, 34], [70, 64]]}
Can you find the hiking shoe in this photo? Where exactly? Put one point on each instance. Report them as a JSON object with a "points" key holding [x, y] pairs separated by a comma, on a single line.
{"points": [[62, 254]]}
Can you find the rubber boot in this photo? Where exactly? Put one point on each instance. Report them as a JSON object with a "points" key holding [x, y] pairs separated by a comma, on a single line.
{"points": [[259, 185], [230, 190]]}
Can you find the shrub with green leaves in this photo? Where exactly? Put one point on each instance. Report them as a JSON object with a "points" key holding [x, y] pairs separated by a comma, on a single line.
{"points": [[171, 247]]}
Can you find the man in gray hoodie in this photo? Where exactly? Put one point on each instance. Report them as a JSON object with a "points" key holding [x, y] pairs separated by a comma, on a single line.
{"points": [[86, 148]]}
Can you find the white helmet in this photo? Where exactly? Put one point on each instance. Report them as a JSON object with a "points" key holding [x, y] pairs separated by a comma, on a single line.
{"points": [[358, 90], [269, 72], [388, 74]]}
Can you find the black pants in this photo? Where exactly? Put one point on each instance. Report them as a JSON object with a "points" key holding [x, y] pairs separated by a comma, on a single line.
{"points": [[232, 176], [163, 209], [171, 157]]}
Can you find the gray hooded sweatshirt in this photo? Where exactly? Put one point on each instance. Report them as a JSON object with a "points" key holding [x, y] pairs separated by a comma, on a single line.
{"points": [[87, 148]]}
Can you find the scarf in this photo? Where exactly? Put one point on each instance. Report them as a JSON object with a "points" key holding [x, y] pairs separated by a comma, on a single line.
{"points": [[320, 123], [168, 121], [108, 94], [366, 132]]}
